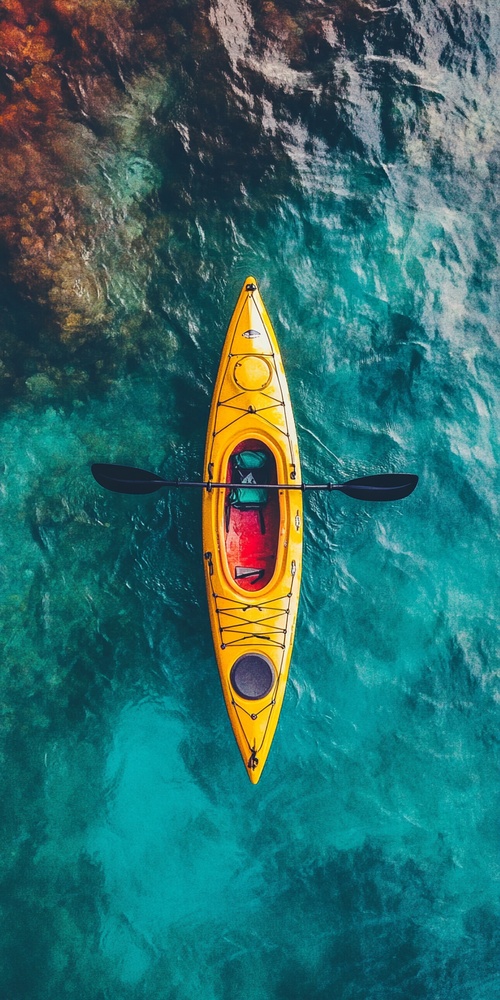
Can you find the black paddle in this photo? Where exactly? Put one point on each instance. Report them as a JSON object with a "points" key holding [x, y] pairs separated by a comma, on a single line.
{"points": [[126, 479]]}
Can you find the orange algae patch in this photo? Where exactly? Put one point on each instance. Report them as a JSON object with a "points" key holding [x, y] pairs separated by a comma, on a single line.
{"points": [[42, 222]]}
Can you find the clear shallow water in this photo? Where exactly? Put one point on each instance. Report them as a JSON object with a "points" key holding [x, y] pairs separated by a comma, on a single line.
{"points": [[358, 183]]}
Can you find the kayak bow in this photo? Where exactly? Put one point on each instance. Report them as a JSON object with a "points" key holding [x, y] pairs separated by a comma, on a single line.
{"points": [[252, 535]]}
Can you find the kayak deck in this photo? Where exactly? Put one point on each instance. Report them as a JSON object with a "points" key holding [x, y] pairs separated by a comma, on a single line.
{"points": [[252, 535]]}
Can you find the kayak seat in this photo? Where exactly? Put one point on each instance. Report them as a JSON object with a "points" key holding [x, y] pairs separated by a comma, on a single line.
{"points": [[248, 468], [246, 572]]}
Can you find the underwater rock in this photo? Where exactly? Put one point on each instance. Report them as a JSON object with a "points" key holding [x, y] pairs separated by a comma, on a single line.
{"points": [[112, 112], [49, 258], [66, 110], [72, 118]]}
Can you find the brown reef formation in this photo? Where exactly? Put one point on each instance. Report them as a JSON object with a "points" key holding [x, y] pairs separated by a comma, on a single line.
{"points": [[63, 66], [80, 84]]}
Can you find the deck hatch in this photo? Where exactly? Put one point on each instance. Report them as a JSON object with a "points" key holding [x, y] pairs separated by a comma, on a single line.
{"points": [[252, 676]]}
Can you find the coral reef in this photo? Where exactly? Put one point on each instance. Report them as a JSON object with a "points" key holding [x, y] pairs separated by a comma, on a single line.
{"points": [[70, 101], [69, 109], [118, 119]]}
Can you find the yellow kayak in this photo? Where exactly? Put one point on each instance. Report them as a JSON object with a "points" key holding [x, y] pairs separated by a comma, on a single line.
{"points": [[252, 534]]}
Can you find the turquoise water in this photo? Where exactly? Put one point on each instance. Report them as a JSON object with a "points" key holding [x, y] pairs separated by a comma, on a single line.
{"points": [[349, 159]]}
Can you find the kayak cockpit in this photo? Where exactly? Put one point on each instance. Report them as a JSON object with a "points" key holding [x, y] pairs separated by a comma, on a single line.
{"points": [[251, 515]]}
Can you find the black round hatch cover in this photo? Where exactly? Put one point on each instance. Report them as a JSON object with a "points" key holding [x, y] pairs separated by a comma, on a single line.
{"points": [[252, 676]]}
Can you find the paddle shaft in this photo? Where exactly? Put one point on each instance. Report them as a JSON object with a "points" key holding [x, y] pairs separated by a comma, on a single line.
{"points": [[260, 486]]}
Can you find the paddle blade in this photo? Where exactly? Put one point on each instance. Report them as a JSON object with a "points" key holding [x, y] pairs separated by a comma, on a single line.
{"points": [[125, 479], [387, 486]]}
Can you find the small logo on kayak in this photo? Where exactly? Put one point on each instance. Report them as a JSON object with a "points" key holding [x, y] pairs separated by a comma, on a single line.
{"points": [[250, 334]]}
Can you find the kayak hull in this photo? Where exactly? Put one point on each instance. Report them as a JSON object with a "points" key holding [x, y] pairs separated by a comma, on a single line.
{"points": [[252, 537]]}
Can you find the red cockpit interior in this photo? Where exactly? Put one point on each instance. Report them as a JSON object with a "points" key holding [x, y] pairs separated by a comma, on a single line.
{"points": [[252, 535]]}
